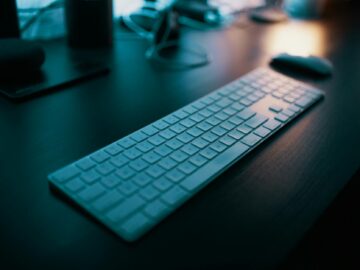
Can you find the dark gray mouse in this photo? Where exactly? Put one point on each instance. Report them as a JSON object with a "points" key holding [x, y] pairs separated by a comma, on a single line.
{"points": [[310, 64]]}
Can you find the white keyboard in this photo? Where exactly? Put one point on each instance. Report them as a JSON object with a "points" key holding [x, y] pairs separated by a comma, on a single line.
{"points": [[135, 182]]}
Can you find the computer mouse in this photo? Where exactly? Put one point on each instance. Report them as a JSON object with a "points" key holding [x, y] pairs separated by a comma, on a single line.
{"points": [[20, 57], [309, 64]]}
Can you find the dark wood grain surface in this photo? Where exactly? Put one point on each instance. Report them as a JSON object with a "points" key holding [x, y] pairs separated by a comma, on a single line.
{"points": [[251, 217]]}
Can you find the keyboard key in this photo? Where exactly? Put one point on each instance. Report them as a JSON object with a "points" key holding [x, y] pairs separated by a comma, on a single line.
{"points": [[151, 157], [244, 129], [75, 185], [108, 200], [237, 135], [174, 196], [275, 108], [262, 132], [204, 126], [213, 121], [185, 137], [289, 113], [150, 130], [219, 131], [132, 153], [251, 139], [178, 128], [197, 118], [221, 116], [179, 156], [289, 99], [167, 163], [214, 108], [246, 102], [195, 132], [175, 143], [92, 192], [90, 176], [127, 188], [119, 161], [200, 143], [126, 208], [125, 172], [139, 164], [224, 102], [175, 175], [187, 167], [187, 123], [246, 114], [105, 168], [163, 150], [149, 193], [208, 153], [139, 136], [113, 149], [144, 146], [304, 102], [155, 171], [162, 184], [227, 125], [160, 124], [210, 137], [229, 111], [156, 140], [236, 120], [206, 113], [237, 106], [198, 160], [142, 179], [272, 124], [126, 142], [66, 173], [256, 121], [227, 140], [189, 149], [167, 134], [180, 114], [282, 117], [110, 181], [156, 210], [85, 164], [218, 146], [100, 156], [294, 108], [135, 225], [171, 119]]}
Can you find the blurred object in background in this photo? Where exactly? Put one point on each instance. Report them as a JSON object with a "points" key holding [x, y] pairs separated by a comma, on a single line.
{"points": [[306, 9], [9, 23], [41, 19], [231, 6], [89, 24]]}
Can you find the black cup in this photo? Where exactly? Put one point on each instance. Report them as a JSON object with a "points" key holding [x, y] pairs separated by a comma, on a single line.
{"points": [[9, 23], [89, 23]]}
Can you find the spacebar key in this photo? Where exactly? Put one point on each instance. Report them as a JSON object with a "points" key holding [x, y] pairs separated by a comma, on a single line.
{"points": [[215, 167]]}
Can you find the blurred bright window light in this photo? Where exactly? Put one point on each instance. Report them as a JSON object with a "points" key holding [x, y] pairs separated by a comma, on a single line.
{"points": [[126, 6]]}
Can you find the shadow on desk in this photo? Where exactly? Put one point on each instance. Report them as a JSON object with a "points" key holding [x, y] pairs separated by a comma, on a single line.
{"points": [[333, 242]]}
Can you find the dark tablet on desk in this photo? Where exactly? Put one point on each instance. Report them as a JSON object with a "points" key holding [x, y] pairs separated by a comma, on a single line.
{"points": [[55, 75]]}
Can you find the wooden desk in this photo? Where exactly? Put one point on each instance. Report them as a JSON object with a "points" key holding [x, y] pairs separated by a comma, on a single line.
{"points": [[249, 218]]}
